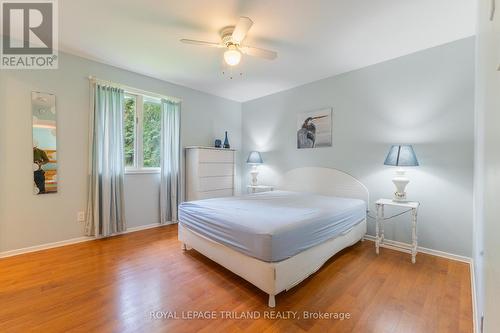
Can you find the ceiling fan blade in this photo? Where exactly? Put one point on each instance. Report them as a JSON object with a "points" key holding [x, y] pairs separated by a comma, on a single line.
{"points": [[241, 29], [256, 52], [201, 43]]}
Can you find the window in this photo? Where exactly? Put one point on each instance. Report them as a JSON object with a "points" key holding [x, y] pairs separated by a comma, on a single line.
{"points": [[142, 132], [129, 119], [152, 133]]}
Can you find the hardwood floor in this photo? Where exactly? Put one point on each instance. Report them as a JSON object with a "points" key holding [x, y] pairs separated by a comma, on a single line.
{"points": [[113, 285]]}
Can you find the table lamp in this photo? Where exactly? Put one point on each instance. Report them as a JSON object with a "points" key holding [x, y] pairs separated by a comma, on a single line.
{"points": [[254, 159], [401, 156]]}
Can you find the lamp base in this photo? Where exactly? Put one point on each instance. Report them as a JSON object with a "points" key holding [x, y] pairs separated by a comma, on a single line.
{"points": [[254, 174], [400, 181]]}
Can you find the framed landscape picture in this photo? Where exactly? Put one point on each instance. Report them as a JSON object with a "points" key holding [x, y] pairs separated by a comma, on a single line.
{"points": [[314, 129]]}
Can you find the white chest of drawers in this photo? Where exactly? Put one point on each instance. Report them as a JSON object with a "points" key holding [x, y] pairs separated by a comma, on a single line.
{"points": [[209, 173]]}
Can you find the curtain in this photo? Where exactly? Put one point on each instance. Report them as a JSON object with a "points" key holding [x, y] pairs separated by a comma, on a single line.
{"points": [[105, 205], [170, 161]]}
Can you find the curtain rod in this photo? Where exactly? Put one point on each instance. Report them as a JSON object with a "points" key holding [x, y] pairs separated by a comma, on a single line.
{"points": [[134, 90]]}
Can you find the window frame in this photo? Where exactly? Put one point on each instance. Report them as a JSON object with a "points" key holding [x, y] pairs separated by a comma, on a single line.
{"points": [[138, 167]]}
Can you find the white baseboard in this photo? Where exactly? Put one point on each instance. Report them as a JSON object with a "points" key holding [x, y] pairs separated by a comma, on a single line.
{"points": [[77, 240], [45, 246], [144, 227], [402, 247]]}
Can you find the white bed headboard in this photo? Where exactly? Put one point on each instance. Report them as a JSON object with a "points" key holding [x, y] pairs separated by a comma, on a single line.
{"points": [[324, 181]]}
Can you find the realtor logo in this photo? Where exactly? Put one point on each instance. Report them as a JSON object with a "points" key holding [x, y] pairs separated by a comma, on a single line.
{"points": [[29, 34]]}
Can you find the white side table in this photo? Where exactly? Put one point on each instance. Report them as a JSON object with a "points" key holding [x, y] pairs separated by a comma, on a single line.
{"points": [[260, 188], [379, 224]]}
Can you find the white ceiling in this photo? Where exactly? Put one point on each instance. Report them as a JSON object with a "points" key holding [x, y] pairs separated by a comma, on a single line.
{"points": [[314, 39]]}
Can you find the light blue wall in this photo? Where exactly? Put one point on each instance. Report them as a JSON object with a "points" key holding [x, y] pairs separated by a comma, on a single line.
{"points": [[425, 99], [28, 220]]}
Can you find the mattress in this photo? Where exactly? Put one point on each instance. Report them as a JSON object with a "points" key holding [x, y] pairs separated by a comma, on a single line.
{"points": [[272, 226]]}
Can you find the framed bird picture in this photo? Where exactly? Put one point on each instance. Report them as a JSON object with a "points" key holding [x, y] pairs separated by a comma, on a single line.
{"points": [[314, 129]]}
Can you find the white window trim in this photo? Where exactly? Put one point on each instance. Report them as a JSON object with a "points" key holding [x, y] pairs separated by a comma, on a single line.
{"points": [[138, 167], [136, 171]]}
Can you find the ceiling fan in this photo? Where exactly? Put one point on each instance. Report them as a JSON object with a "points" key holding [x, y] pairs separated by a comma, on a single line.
{"points": [[231, 39]]}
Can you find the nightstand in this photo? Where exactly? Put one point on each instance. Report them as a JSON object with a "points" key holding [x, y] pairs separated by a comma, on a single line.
{"points": [[260, 188], [412, 207]]}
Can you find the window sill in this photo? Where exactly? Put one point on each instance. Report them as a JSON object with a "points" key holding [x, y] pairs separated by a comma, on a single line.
{"points": [[142, 171]]}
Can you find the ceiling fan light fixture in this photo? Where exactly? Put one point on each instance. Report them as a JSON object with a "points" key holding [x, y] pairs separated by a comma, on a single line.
{"points": [[231, 41], [232, 56]]}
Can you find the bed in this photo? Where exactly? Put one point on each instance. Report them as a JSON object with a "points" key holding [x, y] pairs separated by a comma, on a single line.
{"points": [[276, 239]]}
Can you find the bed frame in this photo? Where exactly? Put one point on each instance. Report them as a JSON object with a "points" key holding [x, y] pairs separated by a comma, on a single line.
{"points": [[275, 277]]}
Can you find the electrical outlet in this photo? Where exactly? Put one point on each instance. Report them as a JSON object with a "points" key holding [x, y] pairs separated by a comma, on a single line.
{"points": [[80, 216]]}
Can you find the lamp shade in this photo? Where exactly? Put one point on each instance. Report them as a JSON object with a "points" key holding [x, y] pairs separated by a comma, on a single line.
{"points": [[254, 158], [401, 155]]}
